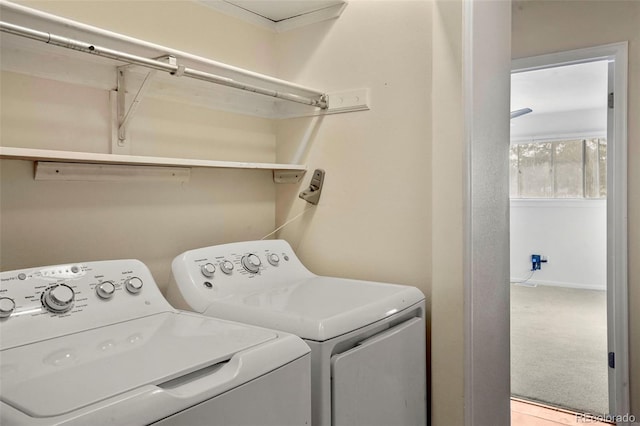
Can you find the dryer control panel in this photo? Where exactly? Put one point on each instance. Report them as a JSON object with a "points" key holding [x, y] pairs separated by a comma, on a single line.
{"points": [[219, 271], [46, 302]]}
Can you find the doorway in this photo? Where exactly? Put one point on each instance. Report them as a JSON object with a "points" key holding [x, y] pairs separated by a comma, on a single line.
{"points": [[568, 291]]}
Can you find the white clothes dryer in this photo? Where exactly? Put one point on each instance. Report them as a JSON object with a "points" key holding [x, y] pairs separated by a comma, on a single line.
{"points": [[97, 344], [367, 339]]}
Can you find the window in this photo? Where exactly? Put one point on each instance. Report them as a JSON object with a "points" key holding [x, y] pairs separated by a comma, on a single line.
{"points": [[559, 169]]}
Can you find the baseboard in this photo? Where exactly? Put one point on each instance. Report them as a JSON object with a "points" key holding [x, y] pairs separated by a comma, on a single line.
{"points": [[580, 286]]}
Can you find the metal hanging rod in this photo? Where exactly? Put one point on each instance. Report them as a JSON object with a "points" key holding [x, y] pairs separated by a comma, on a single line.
{"points": [[8, 8], [171, 68]]}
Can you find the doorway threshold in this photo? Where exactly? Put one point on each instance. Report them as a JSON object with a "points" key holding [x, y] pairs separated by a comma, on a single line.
{"points": [[528, 413]]}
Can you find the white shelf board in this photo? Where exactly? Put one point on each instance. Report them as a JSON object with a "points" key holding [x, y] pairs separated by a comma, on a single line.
{"points": [[282, 172]]}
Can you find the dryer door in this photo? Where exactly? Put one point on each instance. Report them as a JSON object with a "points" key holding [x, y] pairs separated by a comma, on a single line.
{"points": [[382, 381]]}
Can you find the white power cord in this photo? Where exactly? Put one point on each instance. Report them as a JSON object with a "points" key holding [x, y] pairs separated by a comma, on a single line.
{"points": [[524, 281], [309, 207]]}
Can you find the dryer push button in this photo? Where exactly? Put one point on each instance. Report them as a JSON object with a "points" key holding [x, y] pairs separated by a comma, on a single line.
{"points": [[226, 267], [208, 269], [273, 259]]}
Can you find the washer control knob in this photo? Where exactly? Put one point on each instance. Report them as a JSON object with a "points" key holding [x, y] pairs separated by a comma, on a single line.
{"points": [[7, 307], [133, 285], [59, 298], [273, 259], [251, 263], [105, 290], [226, 267], [208, 269]]}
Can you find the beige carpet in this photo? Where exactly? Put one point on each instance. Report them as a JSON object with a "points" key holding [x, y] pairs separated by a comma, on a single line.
{"points": [[559, 347]]}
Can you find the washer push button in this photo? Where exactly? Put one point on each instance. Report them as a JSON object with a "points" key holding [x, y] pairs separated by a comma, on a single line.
{"points": [[133, 285], [7, 306], [105, 290]]}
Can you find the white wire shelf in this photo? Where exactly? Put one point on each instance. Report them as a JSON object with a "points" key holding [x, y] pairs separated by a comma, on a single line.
{"points": [[47, 46]]}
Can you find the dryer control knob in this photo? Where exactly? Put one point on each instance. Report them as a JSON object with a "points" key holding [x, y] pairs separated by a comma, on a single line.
{"points": [[133, 285], [226, 267], [208, 269], [7, 307], [59, 298], [273, 259], [251, 263], [105, 290]]}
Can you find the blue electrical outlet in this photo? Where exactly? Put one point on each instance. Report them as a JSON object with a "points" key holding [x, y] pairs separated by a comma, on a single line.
{"points": [[536, 262]]}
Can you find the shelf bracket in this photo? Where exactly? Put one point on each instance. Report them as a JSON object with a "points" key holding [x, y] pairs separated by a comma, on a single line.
{"points": [[287, 176], [125, 118], [125, 115]]}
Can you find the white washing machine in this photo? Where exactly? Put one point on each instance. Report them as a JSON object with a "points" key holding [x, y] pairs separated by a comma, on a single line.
{"points": [[367, 339], [97, 344]]}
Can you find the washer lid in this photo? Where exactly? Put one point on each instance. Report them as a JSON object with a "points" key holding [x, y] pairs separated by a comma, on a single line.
{"points": [[318, 308], [64, 374]]}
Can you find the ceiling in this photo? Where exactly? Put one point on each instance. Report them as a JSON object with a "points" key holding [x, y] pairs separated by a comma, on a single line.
{"points": [[565, 88], [567, 101], [279, 10]]}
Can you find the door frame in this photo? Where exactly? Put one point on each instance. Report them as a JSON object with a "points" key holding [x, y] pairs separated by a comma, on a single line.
{"points": [[617, 288]]}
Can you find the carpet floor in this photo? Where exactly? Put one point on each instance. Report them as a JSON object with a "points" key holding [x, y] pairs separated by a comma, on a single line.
{"points": [[559, 347]]}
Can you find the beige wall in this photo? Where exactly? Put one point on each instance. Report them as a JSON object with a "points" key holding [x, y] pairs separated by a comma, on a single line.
{"points": [[373, 220], [550, 26], [56, 222]]}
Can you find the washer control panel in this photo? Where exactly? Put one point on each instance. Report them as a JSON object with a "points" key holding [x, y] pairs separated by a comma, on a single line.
{"points": [[46, 302], [237, 268]]}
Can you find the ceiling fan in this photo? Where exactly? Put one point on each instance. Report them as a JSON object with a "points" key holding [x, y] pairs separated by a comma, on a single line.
{"points": [[520, 112]]}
